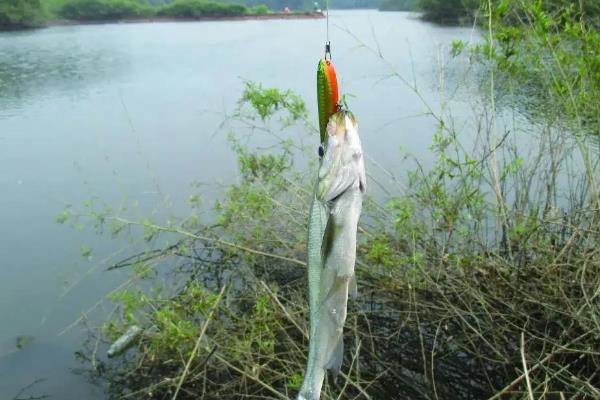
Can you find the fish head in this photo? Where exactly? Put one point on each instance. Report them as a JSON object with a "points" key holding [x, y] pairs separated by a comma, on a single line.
{"points": [[342, 165]]}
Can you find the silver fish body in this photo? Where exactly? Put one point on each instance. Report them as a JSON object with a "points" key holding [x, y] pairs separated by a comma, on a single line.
{"points": [[333, 222]]}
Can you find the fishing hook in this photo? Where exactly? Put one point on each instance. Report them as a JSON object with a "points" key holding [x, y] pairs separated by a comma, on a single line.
{"points": [[328, 50]]}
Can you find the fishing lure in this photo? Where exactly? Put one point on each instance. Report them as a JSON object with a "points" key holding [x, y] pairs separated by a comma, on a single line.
{"points": [[327, 94]]}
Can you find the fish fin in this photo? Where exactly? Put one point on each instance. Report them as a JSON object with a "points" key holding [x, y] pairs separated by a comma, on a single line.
{"points": [[328, 234], [343, 180], [335, 306], [360, 170], [353, 289], [362, 177], [337, 356]]}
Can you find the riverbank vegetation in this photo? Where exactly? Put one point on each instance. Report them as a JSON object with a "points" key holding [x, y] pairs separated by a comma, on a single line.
{"points": [[24, 14], [99, 10], [104, 10], [478, 275], [465, 11], [478, 280], [21, 14], [537, 41], [201, 8]]}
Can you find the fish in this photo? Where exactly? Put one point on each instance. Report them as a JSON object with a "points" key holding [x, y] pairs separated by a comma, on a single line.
{"points": [[333, 222]]}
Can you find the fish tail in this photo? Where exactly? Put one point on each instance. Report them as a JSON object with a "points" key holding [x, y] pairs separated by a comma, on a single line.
{"points": [[337, 305], [337, 356]]}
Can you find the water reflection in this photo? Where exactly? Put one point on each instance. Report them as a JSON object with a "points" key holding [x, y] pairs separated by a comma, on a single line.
{"points": [[42, 65]]}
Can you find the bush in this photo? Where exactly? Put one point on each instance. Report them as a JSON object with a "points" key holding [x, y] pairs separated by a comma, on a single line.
{"points": [[479, 279], [52, 8], [549, 57], [473, 283], [98, 10], [19, 14], [260, 9], [199, 9], [448, 11]]}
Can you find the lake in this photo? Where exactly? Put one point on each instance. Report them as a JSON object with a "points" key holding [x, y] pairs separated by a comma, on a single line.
{"points": [[123, 113]]}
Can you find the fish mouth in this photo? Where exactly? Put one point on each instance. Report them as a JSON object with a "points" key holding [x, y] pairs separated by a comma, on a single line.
{"points": [[341, 164]]}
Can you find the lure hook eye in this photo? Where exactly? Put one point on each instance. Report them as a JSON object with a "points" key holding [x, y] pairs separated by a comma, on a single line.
{"points": [[328, 50]]}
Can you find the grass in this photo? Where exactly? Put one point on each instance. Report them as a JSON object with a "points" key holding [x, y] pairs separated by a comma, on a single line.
{"points": [[461, 287]]}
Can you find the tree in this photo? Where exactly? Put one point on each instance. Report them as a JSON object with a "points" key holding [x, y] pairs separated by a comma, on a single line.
{"points": [[448, 10], [20, 14], [398, 5]]}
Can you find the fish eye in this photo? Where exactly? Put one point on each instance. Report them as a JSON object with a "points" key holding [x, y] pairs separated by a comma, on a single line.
{"points": [[321, 151]]}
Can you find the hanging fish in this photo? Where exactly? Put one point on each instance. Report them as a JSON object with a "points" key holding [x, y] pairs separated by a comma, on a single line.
{"points": [[333, 221]]}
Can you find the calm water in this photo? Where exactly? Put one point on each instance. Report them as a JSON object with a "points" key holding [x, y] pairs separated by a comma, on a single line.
{"points": [[127, 112]]}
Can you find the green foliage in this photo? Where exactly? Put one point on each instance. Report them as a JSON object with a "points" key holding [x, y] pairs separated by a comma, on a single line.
{"points": [[260, 9], [399, 5], [547, 53], [449, 11], [514, 12], [200, 9], [103, 10], [20, 14], [63, 216], [85, 251], [52, 8], [554, 12], [472, 255], [266, 102]]}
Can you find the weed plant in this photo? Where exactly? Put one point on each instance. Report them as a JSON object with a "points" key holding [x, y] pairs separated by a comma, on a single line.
{"points": [[104, 10], [480, 280]]}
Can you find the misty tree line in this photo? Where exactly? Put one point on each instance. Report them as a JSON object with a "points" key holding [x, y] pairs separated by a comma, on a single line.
{"points": [[22, 14], [15, 14], [19, 14], [453, 11]]}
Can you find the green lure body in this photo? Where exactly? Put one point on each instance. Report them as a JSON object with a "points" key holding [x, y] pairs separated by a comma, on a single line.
{"points": [[327, 95]]}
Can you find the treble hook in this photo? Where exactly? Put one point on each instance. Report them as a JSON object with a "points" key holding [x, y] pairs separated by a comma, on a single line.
{"points": [[328, 50]]}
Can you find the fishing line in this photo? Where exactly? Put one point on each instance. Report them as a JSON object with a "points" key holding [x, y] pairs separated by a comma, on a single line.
{"points": [[327, 42], [327, 86]]}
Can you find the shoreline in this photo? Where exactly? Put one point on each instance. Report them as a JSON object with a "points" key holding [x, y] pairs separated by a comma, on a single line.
{"points": [[277, 16]]}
